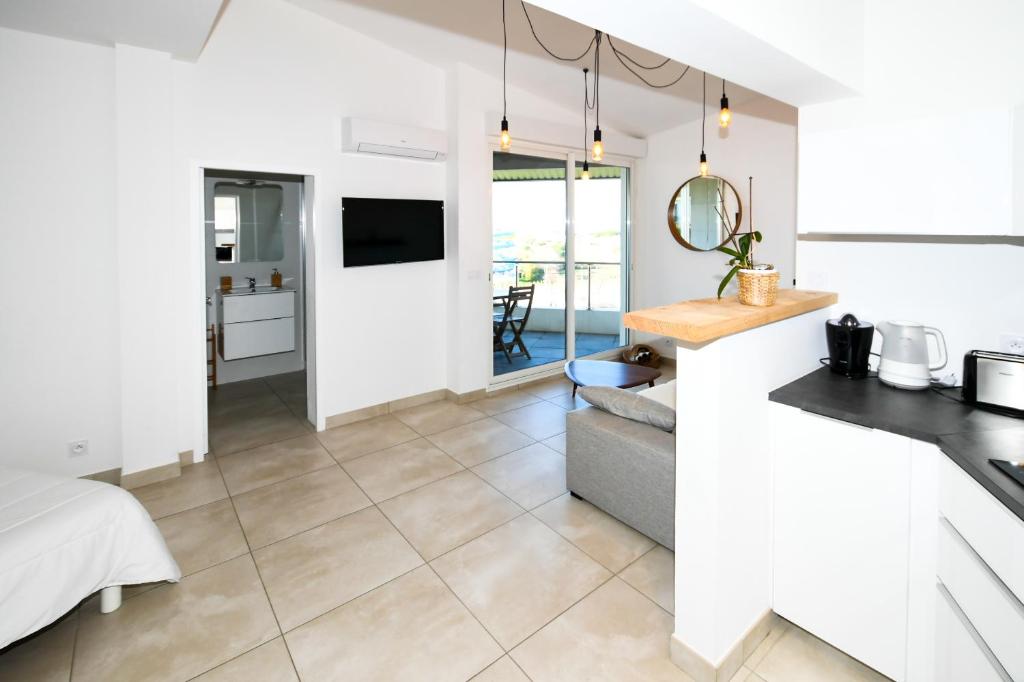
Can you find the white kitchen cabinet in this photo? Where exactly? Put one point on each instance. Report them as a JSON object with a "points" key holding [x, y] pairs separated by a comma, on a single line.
{"points": [[842, 535], [961, 653]]}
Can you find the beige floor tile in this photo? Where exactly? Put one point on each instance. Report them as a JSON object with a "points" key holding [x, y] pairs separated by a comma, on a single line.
{"points": [[556, 443], [269, 662], [177, 631], [778, 628], [413, 628], [198, 484], [277, 511], [604, 538], [245, 471], [42, 657], [236, 391], [613, 634], [479, 441], [225, 411], [249, 430], [361, 438], [530, 476], [504, 401], [548, 388], [539, 421], [204, 536], [316, 571], [518, 577], [799, 656], [502, 670], [743, 675], [569, 402], [438, 416], [654, 575], [447, 513], [401, 468]]}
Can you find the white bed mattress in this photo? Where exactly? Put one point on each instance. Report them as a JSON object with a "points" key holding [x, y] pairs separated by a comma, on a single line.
{"points": [[62, 539]]}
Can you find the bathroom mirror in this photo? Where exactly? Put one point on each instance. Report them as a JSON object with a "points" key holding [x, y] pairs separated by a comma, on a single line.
{"points": [[247, 221], [704, 213]]}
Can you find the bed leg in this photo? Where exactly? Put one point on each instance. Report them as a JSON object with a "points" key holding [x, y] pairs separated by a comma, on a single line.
{"points": [[110, 599]]}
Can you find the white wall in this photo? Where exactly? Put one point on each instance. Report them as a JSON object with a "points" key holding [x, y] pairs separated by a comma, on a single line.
{"points": [[761, 142], [290, 267], [59, 344]]}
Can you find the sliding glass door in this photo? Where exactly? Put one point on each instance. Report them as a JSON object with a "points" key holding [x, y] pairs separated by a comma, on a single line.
{"points": [[538, 213]]}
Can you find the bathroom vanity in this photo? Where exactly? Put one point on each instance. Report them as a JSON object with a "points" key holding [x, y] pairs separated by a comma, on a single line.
{"points": [[255, 321]]}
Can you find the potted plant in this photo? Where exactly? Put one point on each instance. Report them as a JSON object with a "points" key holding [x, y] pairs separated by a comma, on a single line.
{"points": [[759, 283]]}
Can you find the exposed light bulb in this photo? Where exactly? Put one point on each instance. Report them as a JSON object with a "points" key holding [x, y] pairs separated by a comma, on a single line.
{"points": [[585, 175], [724, 116], [703, 164], [597, 152], [506, 139]]}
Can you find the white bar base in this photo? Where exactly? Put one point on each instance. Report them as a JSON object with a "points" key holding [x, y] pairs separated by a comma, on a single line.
{"points": [[110, 599]]}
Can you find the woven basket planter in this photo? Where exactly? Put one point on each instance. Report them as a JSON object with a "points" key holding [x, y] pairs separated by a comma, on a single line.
{"points": [[758, 287]]}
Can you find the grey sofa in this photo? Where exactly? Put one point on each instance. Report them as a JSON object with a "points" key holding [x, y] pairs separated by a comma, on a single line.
{"points": [[624, 467]]}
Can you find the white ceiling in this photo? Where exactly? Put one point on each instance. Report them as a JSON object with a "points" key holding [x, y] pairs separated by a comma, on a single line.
{"points": [[444, 32], [179, 27]]}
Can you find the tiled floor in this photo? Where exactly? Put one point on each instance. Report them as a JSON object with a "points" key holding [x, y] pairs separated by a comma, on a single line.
{"points": [[437, 543], [548, 347]]}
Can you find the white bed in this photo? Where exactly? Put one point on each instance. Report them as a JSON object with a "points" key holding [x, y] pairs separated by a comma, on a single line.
{"points": [[62, 539]]}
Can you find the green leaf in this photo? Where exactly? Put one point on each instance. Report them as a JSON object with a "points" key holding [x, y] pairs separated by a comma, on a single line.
{"points": [[757, 236], [725, 280], [729, 252]]}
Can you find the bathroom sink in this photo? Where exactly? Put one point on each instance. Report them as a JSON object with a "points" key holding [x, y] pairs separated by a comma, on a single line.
{"points": [[261, 289]]}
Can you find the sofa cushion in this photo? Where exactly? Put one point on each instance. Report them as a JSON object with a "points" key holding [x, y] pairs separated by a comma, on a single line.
{"points": [[630, 405], [664, 393]]}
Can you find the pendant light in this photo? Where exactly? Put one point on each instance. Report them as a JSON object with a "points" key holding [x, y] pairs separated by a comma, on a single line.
{"points": [[597, 151], [724, 115], [703, 116], [585, 174], [506, 139]]}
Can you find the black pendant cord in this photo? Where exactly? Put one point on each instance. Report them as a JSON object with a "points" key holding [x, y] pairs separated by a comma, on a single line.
{"points": [[586, 105], [623, 57], [504, 64], [545, 47], [703, 109], [597, 79], [723, 88]]}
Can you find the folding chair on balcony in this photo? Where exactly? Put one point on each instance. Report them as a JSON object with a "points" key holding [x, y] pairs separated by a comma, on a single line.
{"points": [[513, 318]]}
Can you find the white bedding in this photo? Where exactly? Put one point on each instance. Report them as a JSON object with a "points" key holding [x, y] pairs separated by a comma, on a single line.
{"points": [[62, 539]]}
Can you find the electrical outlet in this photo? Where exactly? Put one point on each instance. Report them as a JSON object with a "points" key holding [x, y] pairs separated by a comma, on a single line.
{"points": [[1012, 343], [78, 448]]}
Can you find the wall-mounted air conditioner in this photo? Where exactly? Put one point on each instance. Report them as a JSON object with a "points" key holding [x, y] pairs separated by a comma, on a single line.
{"points": [[376, 137]]}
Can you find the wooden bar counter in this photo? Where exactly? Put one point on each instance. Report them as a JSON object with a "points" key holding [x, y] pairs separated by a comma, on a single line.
{"points": [[706, 319]]}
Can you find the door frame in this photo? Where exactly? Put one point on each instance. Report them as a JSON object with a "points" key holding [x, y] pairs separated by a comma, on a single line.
{"points": [[311, 205], [570, 155]]}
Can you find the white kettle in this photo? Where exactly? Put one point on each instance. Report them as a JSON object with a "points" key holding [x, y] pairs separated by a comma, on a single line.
{"points": [[904, 359]]}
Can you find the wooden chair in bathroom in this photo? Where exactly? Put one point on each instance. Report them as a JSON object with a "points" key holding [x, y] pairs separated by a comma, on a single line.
{"points": [[211, 363]]}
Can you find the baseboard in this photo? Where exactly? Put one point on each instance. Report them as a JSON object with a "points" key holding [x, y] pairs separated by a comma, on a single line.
{"points": [[381, 409], [463, 398], [703, 670], [137, 479], [186, 458], [111, 476]]}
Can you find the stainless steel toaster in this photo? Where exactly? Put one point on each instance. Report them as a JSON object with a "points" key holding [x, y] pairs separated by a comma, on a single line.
{"points": [[994, 380]]}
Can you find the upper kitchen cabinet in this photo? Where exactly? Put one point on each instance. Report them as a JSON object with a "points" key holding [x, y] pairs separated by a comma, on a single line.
{"points": [[893, 170]]}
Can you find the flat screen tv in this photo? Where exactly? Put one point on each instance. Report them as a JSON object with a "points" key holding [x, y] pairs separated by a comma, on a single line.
{"points": [[382, 231]]}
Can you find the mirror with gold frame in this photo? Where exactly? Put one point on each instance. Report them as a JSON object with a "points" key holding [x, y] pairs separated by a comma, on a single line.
{"points": [[704, 213]]}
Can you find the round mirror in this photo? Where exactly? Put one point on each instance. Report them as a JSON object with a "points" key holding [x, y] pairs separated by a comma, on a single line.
{"points": [[704, 213]]}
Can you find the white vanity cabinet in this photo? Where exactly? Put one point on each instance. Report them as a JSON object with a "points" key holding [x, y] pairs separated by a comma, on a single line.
{"points": [[842, 535], [253, 324]]}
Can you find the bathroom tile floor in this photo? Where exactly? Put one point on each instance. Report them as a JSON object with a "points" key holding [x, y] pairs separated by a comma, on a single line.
{"points": [[437, 543]]}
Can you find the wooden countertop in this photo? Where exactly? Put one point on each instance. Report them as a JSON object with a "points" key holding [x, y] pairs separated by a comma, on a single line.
{"points": [[706, 319]]}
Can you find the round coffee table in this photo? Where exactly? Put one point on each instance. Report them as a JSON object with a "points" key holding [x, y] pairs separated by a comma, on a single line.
{"points": [[604, 373]]}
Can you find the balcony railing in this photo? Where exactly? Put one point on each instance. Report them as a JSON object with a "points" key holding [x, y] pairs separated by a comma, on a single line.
{"points": [[602, 289]]}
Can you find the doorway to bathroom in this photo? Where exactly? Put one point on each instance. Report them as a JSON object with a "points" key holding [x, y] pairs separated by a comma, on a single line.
{"points": [[254, 279]]}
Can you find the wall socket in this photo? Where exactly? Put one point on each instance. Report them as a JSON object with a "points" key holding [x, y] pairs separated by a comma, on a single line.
{"points": [[1012, 343], [78, 448]]}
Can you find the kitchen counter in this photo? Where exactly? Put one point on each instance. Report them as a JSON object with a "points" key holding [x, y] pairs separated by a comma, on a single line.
{"points": [[707, 319], [967, 435]]}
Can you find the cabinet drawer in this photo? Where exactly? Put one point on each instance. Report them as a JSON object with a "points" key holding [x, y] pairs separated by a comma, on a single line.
{"points": [[993, 611], [987, 526], [258, 307], [959, 653], [264, 337]]}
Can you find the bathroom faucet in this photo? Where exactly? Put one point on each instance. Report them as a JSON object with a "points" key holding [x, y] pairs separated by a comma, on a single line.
{"points": [[252, 283]]}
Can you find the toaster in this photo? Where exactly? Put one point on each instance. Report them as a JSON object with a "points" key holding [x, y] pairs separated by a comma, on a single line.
{"points": [[995, 381]]}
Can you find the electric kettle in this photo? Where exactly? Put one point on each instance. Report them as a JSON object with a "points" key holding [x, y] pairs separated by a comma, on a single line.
{"points": [[904, 359]]}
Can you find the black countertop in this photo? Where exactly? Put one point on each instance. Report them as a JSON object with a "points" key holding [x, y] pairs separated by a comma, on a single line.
{"points": [[967, 435]]}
